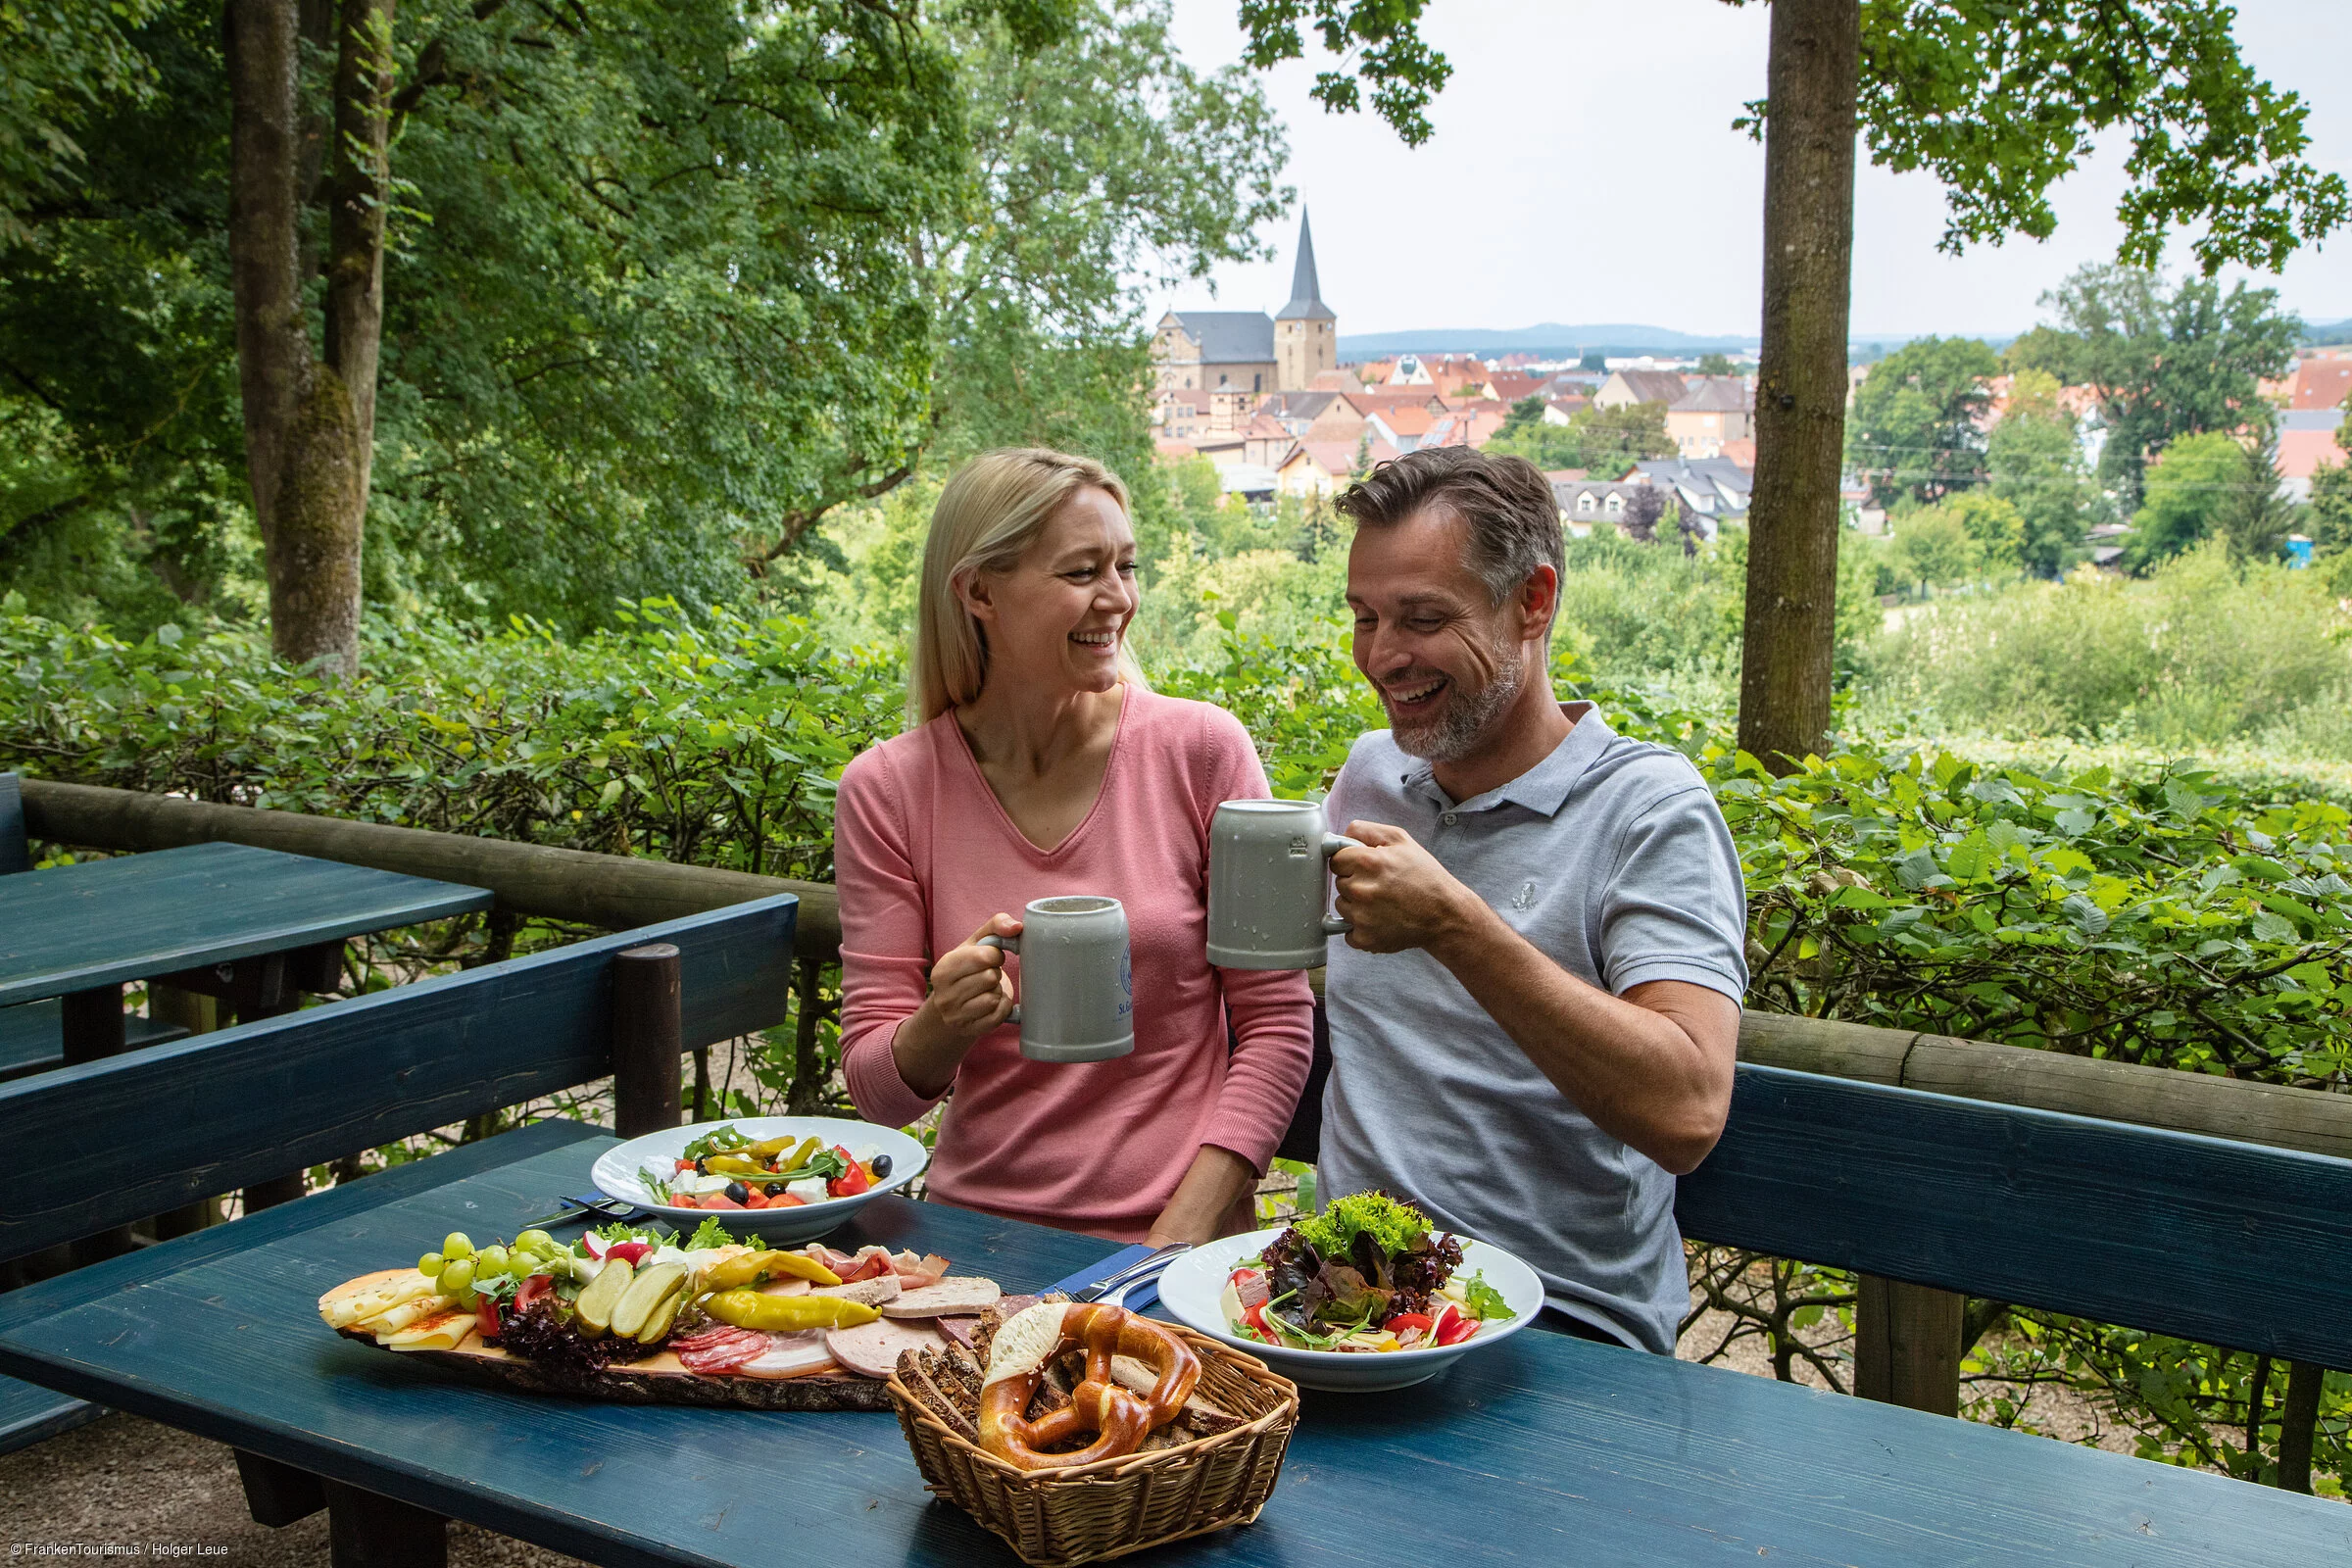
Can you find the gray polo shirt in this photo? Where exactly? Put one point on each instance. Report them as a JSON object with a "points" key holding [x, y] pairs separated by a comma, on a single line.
{"points": [[1611, 857]]}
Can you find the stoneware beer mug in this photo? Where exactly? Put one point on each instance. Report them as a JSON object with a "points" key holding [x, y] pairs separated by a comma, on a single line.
{"points": [[1269, 885], [1077, 991]]}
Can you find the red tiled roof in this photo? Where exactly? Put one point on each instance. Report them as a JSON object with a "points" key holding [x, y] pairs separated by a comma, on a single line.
{"points": [[1742, 451], [2321, 382], [2300, 452]]}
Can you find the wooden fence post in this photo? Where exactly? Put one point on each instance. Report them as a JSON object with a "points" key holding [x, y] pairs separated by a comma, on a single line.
{"points": [[1907, 1344], [646, 1038]]}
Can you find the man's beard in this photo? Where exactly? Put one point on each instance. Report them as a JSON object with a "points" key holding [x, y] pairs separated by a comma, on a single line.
{"points": [[1457, 731]]}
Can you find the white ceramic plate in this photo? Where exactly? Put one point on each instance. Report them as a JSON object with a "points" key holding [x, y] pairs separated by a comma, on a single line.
{"points": [[1193, 1289], [615, 1172]]}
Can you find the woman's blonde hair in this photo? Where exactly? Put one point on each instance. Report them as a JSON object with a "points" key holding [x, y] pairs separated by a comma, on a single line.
{"points": [[988, 514]]}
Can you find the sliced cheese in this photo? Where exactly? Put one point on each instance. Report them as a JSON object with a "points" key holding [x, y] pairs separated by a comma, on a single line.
{"points": [[441, 1330], [344, 1305], [407, 1312], [1026, 1341]]}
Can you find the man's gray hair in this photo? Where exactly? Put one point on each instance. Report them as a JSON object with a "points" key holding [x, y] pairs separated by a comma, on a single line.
{"points": [[1504, 501]]}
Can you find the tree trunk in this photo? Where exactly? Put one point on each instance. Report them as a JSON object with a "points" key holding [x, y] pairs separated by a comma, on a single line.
{"points": [[310, 425], [1800, 394]]}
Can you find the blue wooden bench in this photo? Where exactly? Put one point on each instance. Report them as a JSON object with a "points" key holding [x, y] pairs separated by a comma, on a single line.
{"points": [[104, 1143]]}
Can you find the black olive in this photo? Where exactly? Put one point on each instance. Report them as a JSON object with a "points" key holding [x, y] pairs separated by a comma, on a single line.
{"points": [[879, 1165], [735, 1190], [773, 1188], [701, 1166]]}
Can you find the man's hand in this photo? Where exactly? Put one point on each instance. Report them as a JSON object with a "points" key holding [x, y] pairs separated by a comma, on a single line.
{"points": [[1396, 895]]}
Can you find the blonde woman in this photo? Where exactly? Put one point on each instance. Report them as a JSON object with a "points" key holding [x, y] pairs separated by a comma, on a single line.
{"points": [[1039, 764]]}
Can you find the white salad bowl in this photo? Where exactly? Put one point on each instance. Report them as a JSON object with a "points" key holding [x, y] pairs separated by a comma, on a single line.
{"points": [[615, 1173], [1193, 1289]]}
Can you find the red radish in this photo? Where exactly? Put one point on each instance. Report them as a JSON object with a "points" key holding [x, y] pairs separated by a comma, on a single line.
{"points": [[630, 1252]]}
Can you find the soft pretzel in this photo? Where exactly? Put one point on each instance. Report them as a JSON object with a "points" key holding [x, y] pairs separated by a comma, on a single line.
{"points": [[1120, 1419]]}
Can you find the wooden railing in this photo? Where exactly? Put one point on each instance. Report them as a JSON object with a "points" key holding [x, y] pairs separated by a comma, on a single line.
{"points": [[1900, 1326]]}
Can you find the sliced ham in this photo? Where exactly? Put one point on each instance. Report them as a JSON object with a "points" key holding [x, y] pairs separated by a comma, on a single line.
{"points": [[872, 1292], [789, 1355], [915, 1272], [959, 1329], [956, 1296], [1014, 1305], [869, 1262], [1251, 1290], [872, 1350]]}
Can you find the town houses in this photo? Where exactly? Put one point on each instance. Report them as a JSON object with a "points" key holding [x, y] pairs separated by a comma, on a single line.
{"points": [[1268, 401]]}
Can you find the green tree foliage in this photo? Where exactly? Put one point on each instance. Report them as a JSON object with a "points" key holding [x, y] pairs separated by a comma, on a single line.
{"points": [[1714, 365], [2255, 519], [2035, 462], [2188, 495], [1604, 442], [2330, 512], [1915, 427], [1933, 549], [65, 62], [2165, 363], [666, 281]]}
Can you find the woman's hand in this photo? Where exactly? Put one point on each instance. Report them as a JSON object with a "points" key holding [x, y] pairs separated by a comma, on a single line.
{"points": [[970, 994], [1216, 1197]]}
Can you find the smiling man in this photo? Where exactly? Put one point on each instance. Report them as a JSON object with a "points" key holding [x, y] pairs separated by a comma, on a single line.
{"points": [[1534, 1021]]}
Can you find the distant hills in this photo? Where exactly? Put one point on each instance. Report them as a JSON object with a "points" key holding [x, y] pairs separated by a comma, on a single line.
{"points": [[1557, 340], [1548, 337]]}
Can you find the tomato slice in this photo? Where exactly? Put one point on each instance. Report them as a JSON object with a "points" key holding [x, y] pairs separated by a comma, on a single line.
{"points": [[754, 1197], [486, 1315], [851, 1182], [719, 1201], [531, 1289], [1241, 1274], [1256, 1317], [787, 1200], [1408, 1320], [1453, 1328]]}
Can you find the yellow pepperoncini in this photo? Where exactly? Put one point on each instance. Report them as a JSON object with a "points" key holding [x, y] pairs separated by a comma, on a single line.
{"points": [[745, 1268], [786, 1314]]}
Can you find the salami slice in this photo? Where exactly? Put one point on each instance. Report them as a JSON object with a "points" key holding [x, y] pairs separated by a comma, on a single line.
{"points": [[725, 1355], [872, 1350]]}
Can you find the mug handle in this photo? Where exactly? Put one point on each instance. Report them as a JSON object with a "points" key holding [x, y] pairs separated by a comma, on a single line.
{"points": [[1333, 844], [1010, 945]]}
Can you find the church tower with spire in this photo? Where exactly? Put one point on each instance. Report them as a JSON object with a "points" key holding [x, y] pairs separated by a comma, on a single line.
{"points": [[1306, 334]]}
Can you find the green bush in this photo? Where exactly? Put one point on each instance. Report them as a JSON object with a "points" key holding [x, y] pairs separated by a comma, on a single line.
{"points": [[2203, 651]]}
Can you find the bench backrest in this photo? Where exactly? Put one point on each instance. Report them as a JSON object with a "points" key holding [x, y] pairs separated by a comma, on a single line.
{"points": [[16, 854], [2225, 1243], [109, 1142]]}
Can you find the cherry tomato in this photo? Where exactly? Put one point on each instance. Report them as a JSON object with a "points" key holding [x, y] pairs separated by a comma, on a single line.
{"points": [[486, 1315]]}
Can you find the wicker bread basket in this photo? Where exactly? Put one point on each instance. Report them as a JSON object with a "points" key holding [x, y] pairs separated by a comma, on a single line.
{"points": [[1052, 1518]]}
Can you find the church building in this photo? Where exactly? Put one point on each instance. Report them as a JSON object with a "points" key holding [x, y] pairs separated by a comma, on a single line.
{"points": [[1244, 351]]}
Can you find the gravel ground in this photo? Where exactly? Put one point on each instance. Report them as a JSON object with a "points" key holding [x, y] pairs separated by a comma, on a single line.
{"points": [[124, 1483]]}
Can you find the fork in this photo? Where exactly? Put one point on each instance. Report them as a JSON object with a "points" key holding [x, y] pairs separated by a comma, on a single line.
{"points": [[1112, 1292]]}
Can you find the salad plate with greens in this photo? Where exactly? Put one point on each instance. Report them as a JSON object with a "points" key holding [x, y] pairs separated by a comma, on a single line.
{"points": [[782, 1178], [1362, 1296]]}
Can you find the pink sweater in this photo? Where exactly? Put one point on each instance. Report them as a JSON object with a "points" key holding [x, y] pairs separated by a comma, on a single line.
{"points": [[923, 854]]}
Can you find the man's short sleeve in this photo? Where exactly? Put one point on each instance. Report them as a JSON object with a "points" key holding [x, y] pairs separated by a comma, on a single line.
{"points": [[1676, 907]]}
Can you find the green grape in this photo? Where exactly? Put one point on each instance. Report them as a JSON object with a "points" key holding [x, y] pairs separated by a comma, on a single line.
{"points": [[430, 1265], [457, 1276], [537, 1242], [491, 1261], [459, 1245], [470, 1298]]}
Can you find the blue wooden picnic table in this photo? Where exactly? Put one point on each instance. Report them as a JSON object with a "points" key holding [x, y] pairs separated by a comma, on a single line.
{"points": [[229, 918], [1544, 1448]]}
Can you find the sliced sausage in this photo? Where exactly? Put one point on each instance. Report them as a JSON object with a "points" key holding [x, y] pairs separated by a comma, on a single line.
{"points": [[871, 1291], [958, 1295], [872, 1350]]}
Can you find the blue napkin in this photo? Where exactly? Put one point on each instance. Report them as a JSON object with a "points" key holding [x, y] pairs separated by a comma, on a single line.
{"points": [[1142, 1298]]}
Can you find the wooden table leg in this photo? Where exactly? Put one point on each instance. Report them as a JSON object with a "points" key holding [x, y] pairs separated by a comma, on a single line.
{"points": [[366, 1529], [94, 1031], [258, 988], [276, 1495], [199, 1016], [93, 1025]]}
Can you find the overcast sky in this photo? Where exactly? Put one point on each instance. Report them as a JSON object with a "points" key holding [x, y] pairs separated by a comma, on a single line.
{"points": [[1585, 170]]}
